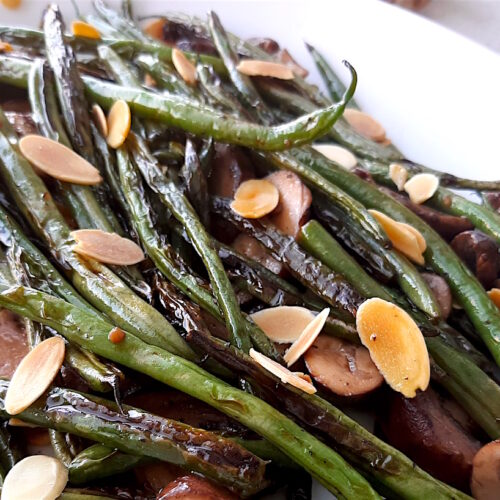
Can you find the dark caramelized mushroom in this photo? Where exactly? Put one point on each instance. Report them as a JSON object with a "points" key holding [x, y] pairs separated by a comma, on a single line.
{"points": [[250, 247], [13, 343], [441, 291], [344, 368], [485, 481], [266, 44], [194, 488]]}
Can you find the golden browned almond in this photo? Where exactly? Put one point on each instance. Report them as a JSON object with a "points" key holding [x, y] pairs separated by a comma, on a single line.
{"points": [[403, 239], [307, 337], [58, 161], [11, 4], [285, 375], [288, 60], [365, 125], [344, 368], [36, 477], [119, 120], [155, 28], [100, 119], [421, 187], [184, 67], [398, 175], [494, 295], [253, 67], [108, 248], [337, 154], [485, 479], [5, 47], [255, 198], [85, 30], [34, 375], [283, 324], [16, 422], [396, 345]]}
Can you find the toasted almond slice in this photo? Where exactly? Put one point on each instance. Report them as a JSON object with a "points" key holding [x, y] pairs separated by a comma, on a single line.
{"points": [[16, 422], [108, 248], [422, 244], [255, 198], [285, 375], [34, 375], [396, 345], [184, 67], [338, 154], [155, 28], [6, 47], [287, 59], [283, 324], [85, 30], [494, 295], [401, 237], [37, 476], [485, 478], [119, 120], [398, 175], [307, 337], [365, 125], [421, 187], [58, 161], [100, 119], [253, 67], [11, 4]]}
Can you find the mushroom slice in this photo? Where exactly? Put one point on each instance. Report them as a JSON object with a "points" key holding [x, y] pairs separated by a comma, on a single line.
{"points": [[58, 161], [119, 120], [285, 375], [253, 67], [485, 480], [337, 154], [307, 337], [34, 375], [193, 487], [421, 187], [398, 175], [494, 295], [396, 345], [85, 30], [441, 291], [37, 476], [405, 239], [100, 119], [108, 248], [184, 67], [365, 125], [283, 324], [344, 368], [255, 198], [250, 247]]}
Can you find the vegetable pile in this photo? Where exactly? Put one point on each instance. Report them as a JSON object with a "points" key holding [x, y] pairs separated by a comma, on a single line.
{"points": [[204, 260]]}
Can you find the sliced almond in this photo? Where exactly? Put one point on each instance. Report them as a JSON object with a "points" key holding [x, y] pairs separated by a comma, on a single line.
{"points": [[408, 241], [155, 28], [283, 324], [285, 375], [288, 60], [365, 125], [100, 119], [307, 337], [337, 154], [494, 295], [11, 4], [255, 198], [184, 67], [119, 120], [398, 175], [36, 477], [16, 422], [34, 375], [421, 187], [253, 67], [6, 47], [58, 161], [396, 345], [108, 248], [85, 30]]}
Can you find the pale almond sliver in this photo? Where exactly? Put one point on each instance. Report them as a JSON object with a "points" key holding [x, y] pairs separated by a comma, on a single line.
{"points": [[421, 187], [100, 119], [285, 375], [108, 248], [184, 67], [16, 422], [494, 295], [119, 120], [337, 154], [253, 67], [58, 161], [365, 124], [283, 324], [35, 477], [34, 375], [398, 175], [307, 338]]}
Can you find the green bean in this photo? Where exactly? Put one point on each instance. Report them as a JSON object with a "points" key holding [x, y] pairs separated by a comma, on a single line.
{"points": [[60, 447], [9, 454]]}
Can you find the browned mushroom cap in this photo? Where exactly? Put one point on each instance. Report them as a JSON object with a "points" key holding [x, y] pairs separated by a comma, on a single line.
{"points": [[494, 200], [192, 487], [441, 291], [254, 250], [294, 202], [344, 368], [266, 44], [480, 253], [13, 343], [485, 481]]}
